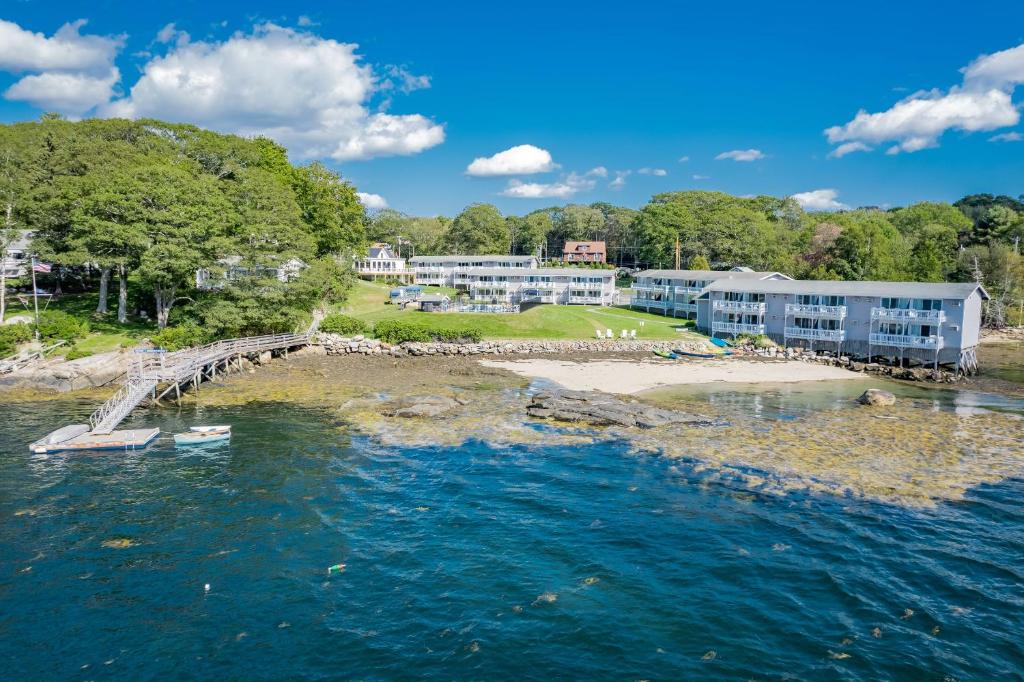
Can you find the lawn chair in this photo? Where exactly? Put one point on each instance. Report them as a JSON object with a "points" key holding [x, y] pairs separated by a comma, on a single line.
{"points": [[624, 334], [632, 333], [598, 333], [609, 334]]}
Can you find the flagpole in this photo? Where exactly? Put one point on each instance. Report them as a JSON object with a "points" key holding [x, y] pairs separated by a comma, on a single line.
{"points": [[35, 295]]}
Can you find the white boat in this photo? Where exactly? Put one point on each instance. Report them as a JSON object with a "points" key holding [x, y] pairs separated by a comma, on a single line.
{"points": [[204, 429], [196, 437]]}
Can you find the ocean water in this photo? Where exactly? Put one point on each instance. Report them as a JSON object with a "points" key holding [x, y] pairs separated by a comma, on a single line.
{"points": [[522, 562]]}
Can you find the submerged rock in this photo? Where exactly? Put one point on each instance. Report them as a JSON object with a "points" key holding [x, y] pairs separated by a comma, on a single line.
{"points": [[877, 397], [604, 410], [420, 406]]}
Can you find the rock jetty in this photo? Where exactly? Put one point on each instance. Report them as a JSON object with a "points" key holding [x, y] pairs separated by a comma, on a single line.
{"points": [[600, 409]]}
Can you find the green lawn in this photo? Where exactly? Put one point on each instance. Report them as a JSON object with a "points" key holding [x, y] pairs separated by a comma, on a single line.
{"points": [[367, 301], [106, 333]]}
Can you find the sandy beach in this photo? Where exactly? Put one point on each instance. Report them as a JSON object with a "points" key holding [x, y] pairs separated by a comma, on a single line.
{"points": [[634, 376]]}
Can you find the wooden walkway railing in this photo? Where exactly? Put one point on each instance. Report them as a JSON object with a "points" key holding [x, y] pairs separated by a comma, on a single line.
{"points": [[154, 367]]}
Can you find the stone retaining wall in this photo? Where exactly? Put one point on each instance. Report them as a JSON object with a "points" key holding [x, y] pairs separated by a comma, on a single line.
{"points": [[342, 345], [333, 344]]}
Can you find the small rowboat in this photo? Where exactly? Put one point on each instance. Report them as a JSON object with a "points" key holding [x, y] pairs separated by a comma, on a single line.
{"points": [[721, 343], [203, 434]]}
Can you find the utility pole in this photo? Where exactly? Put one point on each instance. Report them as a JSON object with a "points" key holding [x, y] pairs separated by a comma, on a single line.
{"points": [[677, 254]]}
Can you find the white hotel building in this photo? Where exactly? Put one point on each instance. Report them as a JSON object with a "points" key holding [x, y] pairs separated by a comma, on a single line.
{"points": [[566, 286], [439, 271]]}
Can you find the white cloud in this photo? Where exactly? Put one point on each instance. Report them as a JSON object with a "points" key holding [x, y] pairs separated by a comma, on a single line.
{"points": [[404, 80], [983, 101], [305, 21], [659, 172], [684, 159], [819, 200], [68, 72], [562, 189], [66, 50], [372, 201], [848, 148], [523, 159], [598, 171], [701, 177], [620, 179], [70, 93], [741, 155], [1007, 137], [309, 93], [171, 34]]}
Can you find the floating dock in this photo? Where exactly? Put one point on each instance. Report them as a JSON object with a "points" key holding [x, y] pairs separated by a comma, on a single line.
{"points": [[135, 439]]}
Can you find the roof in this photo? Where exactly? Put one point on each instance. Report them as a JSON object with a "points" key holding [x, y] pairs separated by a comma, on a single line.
{"points": [[381, 250], [711, 275], [460, 259], [540, 271], [591, 246], [21, 242], [434, 298], [954, 290]]}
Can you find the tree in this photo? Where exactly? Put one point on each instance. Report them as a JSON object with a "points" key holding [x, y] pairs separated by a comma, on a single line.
{"points": [[869, 248], [330, 209], [529, 232], [480, 228], [699, 262], [933, 255], [911, 219]]}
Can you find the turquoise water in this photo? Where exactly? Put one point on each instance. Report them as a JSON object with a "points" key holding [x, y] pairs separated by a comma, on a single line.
{"points": [[516, 563]]}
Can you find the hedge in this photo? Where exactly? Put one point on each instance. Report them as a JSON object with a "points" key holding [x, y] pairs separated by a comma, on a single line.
{"points": [[57, 324], [176, 338], [11, 335], [398, 331], [343, 324]]}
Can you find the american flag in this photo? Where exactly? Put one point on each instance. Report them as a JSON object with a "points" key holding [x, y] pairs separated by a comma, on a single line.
{"points": [[41, 267]]}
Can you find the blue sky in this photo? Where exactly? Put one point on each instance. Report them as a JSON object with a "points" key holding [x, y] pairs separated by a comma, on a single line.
{"points": [[600, 90]]}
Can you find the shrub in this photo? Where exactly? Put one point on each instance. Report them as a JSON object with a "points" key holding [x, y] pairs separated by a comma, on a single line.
{"points": [[342, 324], [11, 335], [76, 353], [176, 338], [756, 340], [398, 331], [57, 324]]}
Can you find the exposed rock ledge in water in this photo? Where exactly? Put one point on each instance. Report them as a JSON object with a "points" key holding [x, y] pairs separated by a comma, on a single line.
{"points": [[58, 376], [876, 397], [605, 410], [421, 406]]}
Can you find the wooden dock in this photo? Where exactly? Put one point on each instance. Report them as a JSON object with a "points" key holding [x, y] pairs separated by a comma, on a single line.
{"points": [[115, 440], [171, 371]]}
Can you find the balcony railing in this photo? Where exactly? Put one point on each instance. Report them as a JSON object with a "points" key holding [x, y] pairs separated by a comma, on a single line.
{"points": [[816, 334], [737, 328], [667, 289], [739, 306], [932, 342], [908, 314], [831, 312]]}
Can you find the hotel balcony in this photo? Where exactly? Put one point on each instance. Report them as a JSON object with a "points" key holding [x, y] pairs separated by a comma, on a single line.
{"points": [[668, 289], [736, 328], [586, 300], [739, 307], [932, 342], [827, 312], [908, 315], [835, 335]]}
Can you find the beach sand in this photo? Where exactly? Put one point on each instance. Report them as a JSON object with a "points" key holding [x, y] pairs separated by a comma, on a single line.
{"points": [[634, 376]]}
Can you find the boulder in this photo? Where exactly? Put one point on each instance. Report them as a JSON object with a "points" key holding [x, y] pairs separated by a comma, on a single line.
{"points": [[876, 397], [600, 409], [420, 406]]}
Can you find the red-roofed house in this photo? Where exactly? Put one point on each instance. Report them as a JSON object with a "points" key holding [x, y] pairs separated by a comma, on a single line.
{"points": [[584, 252]]}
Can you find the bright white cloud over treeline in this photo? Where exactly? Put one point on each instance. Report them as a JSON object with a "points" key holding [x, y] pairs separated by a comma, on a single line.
{"points": [[819, 200], [312, 94], [982, 102], [523, 159]]}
